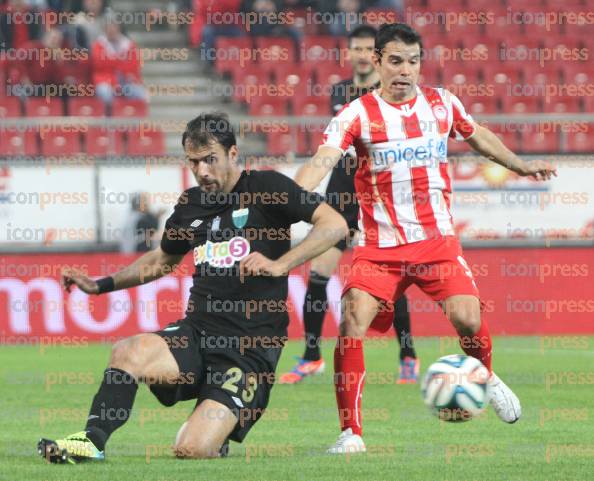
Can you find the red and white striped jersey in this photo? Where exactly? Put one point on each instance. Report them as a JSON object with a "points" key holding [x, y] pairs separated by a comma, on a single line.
{"points": [[402, 180]]}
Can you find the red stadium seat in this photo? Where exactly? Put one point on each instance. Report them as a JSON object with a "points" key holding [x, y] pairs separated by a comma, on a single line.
{"points": [[250, 85], [311, 106], [318, 48], [60, 142], [102, 142], [42, 107], [315, 138], [508, 135], [274, 49], [146, 142], [86, 107], [268, 106], [534, 74], [540, 142], [580, 141], [122, 107], [521, 104], [482, 105], [329, 73], [15, 142], [287, 141], [561, 105], [10, 107], [576, 72], [231, 51]]}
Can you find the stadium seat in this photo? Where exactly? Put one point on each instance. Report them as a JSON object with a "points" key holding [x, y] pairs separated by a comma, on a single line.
{"points": [[231, 56], [250, 83], [283, 143], [319, 48], [10, 107], [561, 105], [60, 142], [485, 105], [278, 49], [508, 134], [534, 74], [576, 73], [268, 106], [521, 104], [310, 106], [102, 142], [86, 107], [42, 107], [540, 142], [580, 142], [15, 142], [122, 107], [330, 73], [145, 143], [316, 134]]}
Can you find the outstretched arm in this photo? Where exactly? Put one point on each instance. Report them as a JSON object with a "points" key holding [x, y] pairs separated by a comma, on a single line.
{"points": [[312, 172], [147, 268], [488, 144]]}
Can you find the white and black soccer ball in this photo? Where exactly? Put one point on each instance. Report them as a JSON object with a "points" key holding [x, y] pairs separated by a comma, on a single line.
{"points": [[455, 388]]}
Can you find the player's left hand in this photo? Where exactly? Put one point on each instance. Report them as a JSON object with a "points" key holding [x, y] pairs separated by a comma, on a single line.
{"points": [[256, 264], [539, 170]]}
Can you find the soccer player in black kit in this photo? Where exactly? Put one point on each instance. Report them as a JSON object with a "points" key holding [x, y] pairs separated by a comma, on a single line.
{"points": [[225, 351], [340, 194]]}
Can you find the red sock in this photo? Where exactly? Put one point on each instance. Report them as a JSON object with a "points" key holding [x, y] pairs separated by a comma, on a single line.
{"points": [[349, 373], [479, 345]]}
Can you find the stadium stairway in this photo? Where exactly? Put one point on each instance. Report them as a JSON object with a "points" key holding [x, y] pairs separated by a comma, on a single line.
{"points": [[179, 83]]}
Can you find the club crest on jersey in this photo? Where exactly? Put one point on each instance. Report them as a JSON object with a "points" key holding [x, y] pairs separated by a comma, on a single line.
{"points": [[440, 112], [222, 254], [240, 217], [216, 223]]}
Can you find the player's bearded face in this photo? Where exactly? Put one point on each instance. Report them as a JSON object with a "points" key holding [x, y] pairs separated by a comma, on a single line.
{"points": [[211, 166], [399, 68]]}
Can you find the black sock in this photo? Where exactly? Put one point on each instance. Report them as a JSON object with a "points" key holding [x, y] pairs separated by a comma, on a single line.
{"points": [[111, 406], [314, 310], [402, 327]]}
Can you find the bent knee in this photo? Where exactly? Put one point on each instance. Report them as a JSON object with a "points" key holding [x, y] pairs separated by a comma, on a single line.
{"points": [[195, 450], [128, 354]]}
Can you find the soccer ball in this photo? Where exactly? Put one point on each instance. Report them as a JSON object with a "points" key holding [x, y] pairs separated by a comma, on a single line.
{"points": [[455, 388]]}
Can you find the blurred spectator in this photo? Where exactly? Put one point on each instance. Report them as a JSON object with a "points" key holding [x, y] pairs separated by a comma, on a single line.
{"points": [[56, 66], [352, 8], [116, 64], [141, 225], [87, 24], [211, 12], [16, 34], [266, 25]]}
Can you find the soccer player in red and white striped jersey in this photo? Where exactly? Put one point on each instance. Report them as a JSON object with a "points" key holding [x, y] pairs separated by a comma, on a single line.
{"points": [[400, 133]]}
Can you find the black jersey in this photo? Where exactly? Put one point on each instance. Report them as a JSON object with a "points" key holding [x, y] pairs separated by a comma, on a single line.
{"points": [[223, 228], [345, 92]]}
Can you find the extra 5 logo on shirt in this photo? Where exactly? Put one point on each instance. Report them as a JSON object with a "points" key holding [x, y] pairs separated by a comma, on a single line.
{"points": [[222, 254]]}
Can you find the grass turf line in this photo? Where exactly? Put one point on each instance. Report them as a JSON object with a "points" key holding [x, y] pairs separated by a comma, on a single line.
{"points": [[48, 394]]}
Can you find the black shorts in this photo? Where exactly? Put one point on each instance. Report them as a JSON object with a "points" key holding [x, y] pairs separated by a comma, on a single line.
{"points": [[340, 194], [217, 368]]}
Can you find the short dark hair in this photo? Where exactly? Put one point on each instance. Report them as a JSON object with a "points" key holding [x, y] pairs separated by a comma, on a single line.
{"points": [[362, 31], [399, 32], [210, 127]]}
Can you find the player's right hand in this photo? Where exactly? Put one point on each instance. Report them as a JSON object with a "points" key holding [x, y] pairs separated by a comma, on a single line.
{"points": [[71, 277]]}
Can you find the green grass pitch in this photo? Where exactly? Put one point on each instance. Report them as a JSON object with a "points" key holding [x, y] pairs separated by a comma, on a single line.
{"points": [[48, 394]]}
